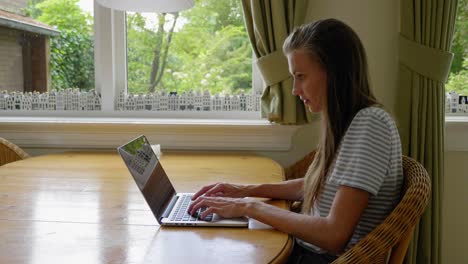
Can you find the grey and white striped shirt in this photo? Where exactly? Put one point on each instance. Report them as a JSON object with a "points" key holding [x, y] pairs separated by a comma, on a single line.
{"points": [[368, 158]]}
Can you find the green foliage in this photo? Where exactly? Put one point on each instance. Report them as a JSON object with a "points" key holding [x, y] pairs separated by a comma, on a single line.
{"points": [[140, 45], [71, 53], [458, 78], [210, 50], [31, 9], [459, 82], [460, 37]]}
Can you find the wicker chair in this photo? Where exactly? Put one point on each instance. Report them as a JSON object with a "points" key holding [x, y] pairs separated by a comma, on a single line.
{"points": [[394, 234], [9, 152]]}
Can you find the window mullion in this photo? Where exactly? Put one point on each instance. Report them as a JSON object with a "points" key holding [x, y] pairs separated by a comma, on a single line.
{"points": [[120, 54], [109, 54]]}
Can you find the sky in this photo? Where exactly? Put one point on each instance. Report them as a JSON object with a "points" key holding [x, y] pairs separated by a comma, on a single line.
{"points": [[86, 5], [151, 19]]}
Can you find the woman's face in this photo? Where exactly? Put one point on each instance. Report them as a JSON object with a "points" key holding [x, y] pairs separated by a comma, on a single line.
{"points": [[310, 79]]}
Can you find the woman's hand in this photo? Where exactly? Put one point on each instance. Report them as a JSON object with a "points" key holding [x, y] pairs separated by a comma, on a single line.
{"points": [[223, 190], [222, 206]]}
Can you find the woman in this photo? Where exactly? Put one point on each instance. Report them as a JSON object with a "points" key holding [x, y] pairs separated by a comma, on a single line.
{"points": [[355, 180]]}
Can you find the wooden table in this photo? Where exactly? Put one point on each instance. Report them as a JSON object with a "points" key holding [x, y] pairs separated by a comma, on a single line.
{"points": [[85, 208]]}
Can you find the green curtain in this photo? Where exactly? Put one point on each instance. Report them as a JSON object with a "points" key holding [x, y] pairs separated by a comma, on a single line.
{"points": [[425, 41], [268, 23]]}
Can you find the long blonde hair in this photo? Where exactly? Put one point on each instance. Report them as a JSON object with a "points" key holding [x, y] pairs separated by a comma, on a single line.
{"points": [[342, 55]]}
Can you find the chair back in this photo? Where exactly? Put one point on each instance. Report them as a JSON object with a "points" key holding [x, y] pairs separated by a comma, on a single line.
{"points": [[396, 231], [9, 152]]}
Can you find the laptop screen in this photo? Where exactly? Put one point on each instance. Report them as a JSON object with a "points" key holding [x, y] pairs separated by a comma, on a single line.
{"points": [[148, 174]]}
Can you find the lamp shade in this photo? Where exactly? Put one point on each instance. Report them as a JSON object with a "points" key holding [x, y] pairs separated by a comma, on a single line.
{"points": [[159, 6]]}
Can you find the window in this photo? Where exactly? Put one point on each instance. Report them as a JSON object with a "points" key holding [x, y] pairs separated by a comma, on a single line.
{"points": [[24, 49], [72, 52], [54, 55], [203, 48], [196, 60], [456, 107], [197, 63], [91, 128], [457, 86]]}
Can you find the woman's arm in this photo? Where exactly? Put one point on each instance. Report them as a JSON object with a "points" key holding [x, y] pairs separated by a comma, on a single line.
{"points": [[287, 190], [330, 233]]}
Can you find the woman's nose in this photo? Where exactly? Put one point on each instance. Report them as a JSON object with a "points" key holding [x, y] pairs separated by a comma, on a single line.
{"points": [[295, 90]]}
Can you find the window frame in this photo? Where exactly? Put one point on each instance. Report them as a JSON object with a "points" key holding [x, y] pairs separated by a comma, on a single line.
{"points": [[110, 49], [456, 133], [52, 131]]}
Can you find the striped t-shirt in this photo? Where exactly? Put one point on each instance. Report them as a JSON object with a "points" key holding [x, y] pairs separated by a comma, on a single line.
{"points": [[368, 158]]}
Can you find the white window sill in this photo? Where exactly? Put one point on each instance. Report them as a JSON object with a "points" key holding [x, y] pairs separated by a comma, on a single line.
{"points": [[175, 133], [456, 132], [108, 133]]}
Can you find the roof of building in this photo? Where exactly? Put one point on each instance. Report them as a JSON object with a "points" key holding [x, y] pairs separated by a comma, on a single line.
{"points": [[24, 23]]}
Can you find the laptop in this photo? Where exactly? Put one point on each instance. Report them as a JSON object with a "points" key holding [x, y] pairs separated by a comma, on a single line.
{"points": [[168, 206]]}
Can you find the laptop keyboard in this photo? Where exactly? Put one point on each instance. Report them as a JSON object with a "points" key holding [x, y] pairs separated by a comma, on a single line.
{"points": [[181, 213]]}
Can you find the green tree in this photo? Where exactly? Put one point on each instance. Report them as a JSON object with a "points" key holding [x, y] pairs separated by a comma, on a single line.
{"points": [[459, 82], [161, 49], [460, 37], [148, 50], [214, 49], [71, 53], [140, 40], [209, 50], [458, 78]]}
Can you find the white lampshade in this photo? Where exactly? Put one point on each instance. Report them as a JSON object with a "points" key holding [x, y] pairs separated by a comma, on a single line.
{"points": [[159, 6]]}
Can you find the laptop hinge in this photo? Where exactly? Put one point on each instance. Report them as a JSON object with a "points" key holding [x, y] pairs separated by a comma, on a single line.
{"points": [[170, 206]]}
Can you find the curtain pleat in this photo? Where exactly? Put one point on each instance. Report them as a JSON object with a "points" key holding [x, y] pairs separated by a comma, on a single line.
{"points": [[421, 116], [268, 23]]}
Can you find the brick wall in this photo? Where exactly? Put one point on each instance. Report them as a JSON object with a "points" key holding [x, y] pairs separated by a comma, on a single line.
{"points": [[15, 6], [11, 61]]}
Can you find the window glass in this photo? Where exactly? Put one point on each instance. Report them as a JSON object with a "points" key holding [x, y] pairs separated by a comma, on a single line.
{"points": [[457, 85], [72, 51], [205, 48]]}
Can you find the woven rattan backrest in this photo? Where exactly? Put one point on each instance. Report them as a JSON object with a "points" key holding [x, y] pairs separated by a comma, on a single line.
{"points": [[375, 246], [397, 226], [9, 152], [299, 169]]}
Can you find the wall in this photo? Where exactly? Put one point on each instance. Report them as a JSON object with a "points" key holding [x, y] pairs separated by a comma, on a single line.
{"points": [[454, 208], [376, 23], [11, 64]]}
